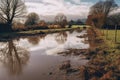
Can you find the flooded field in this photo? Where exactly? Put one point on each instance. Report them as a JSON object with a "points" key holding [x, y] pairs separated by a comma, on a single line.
{"points": [[37, 58]]}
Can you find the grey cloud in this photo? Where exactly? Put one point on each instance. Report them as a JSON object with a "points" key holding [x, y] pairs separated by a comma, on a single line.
{"points": [[39, 1], [33, 1], [52, 7]]}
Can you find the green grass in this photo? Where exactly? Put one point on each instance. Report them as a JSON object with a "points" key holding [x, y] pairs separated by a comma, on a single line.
{"points": [[81, 26], [110, 35], [33, 32]]}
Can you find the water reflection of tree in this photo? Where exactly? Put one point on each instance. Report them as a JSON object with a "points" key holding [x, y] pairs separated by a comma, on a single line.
{"points": [[35, 39], [71, 31], [13, 57], [61, 37]]}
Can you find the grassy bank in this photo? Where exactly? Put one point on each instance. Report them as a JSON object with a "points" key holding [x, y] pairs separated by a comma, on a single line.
{"points": [[104, 57], [33, 32]]}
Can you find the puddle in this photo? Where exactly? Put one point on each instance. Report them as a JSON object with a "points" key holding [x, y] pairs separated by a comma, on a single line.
{"points": [[35, 57]]}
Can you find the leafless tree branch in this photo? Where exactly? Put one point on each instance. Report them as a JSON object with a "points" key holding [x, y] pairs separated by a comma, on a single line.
{"points": [[10, 9]]}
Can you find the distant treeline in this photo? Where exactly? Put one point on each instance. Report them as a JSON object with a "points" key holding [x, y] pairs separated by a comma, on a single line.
{"points": [[21, 27], [78, 22]]}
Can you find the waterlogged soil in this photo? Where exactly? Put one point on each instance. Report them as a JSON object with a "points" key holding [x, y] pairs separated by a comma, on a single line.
{"points": [[41, 57]]}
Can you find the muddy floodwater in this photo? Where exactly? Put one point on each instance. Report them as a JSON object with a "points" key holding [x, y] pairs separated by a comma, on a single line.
{"points": [[37, 58]]}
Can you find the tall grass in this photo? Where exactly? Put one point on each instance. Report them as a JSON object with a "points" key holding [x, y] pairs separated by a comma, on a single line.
{"points": [[110, 35]]}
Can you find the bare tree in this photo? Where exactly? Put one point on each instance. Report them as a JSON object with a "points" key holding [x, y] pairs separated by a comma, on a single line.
{"points": [[32, 19], [102, 8], [61, 20], [10, 9]]}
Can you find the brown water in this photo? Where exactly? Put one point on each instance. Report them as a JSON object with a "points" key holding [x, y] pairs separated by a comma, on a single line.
{"points": [[36, 58]]}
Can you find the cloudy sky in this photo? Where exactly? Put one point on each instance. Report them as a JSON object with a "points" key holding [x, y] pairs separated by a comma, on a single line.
{"points": [[68, 7]]}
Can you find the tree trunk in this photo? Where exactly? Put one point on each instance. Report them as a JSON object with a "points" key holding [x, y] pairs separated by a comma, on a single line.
{"points": [[9, 26]]}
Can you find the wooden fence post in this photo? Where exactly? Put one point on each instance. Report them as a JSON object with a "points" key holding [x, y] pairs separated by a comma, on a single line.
{"points": [[107, 33], [115, 33]]}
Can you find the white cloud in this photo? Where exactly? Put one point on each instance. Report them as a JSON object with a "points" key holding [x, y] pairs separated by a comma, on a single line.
{"points": [[52, 7]]}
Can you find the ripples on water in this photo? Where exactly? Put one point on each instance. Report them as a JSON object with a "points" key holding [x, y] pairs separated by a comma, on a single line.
{"points": [[31, 58]]}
